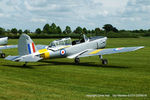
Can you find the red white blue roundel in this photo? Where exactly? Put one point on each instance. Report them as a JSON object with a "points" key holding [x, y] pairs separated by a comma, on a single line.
{"points": [[62, 52], [117, 49]]}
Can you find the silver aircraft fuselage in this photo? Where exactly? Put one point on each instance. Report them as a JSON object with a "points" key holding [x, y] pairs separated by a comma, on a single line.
{"points": [[97, 43], [69, 51]]}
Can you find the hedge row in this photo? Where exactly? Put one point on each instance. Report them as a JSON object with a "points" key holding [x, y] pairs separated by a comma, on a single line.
{"points": [[109, 35]]}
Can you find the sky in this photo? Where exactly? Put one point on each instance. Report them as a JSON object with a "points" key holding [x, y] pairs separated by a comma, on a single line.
{"points": [[33, 14]]}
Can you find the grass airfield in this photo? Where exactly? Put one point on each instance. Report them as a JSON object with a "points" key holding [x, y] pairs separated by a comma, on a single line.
{"points": [[60, 79]]}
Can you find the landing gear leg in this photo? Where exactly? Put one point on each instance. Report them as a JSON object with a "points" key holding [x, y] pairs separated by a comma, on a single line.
{"points": [[104, 61], [24, 65], [77, 60], [2, 55]]}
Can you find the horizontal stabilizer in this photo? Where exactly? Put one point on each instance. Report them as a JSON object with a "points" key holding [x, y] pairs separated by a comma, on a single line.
{"points": [[8, 46], [12, 58], [28, 58], [16, 46]]}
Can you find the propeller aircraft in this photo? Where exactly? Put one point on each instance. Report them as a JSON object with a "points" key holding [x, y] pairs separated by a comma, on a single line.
{"points": [[64, 48]]}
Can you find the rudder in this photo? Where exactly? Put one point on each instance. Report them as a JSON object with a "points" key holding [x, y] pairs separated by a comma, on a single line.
{"points": [[26, 45]]}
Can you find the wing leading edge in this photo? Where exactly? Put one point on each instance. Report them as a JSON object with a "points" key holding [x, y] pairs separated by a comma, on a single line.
{"points": [[95, 52]]}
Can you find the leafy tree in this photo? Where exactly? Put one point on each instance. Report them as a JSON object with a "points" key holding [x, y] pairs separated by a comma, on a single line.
{"points": [[135, 31], [141, 31], [68, 30], [59, 31], [20, 31], [38, 31], [64, 32], [89, 31], [122, 30], [78, 30], [51, 31], [85, 30], [27, 31], [46, 28], [2, 30], [93, 31], [53, 26], [108, 28], [115, 29], [14, 31], [97, 31], [8, 31]]}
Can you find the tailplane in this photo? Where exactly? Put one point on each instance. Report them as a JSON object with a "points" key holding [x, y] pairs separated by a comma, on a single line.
{"points": [[26, 45], [25, 48]]}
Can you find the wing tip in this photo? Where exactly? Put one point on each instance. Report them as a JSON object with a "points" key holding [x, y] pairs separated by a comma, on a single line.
{"points": [[140, 47]]}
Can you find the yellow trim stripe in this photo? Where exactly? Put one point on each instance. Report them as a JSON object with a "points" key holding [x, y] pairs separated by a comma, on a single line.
{"points": [[65, 47], [96, 51], [43, 50], [44, 53]]}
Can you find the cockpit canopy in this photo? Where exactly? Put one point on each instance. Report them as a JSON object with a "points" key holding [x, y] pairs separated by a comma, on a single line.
{"points": [[61, 42]]}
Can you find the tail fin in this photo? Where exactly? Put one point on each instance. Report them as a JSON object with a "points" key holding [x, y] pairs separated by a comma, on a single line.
{"points": [[26, 45]]}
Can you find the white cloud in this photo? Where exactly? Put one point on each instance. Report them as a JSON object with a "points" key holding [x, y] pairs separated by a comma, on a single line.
{"points": [[131, 19], [103, 13], [85, 13], [38, 20], [1, 15], [34, 7]]}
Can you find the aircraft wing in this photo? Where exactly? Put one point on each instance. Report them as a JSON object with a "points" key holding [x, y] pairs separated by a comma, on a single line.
{"points": [[95, 52], [8, 46]]}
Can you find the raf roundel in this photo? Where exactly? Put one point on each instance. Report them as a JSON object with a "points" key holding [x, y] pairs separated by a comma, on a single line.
{"points": [[117, 49], [62, 52]]}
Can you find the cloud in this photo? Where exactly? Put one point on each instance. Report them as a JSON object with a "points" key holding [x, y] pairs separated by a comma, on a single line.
{"points": [[1, 15], [38, 20], [123, 14], [138, 6]]}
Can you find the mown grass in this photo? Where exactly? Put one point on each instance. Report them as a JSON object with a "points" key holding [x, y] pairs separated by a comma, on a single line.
{"points": [[61, 79]]}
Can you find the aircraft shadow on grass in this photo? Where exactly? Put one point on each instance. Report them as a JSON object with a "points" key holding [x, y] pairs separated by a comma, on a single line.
{"points": [[49, 63], [87, 64], [20, 66]]}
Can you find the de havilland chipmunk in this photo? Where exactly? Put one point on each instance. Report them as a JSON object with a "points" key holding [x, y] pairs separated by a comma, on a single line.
{"points": [[64, 48], [3, 45]]}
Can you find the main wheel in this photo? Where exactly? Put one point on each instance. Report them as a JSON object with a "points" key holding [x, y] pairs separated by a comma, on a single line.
{"points": [[104, 61], [2, 55], [77, 60], [24, 65]]}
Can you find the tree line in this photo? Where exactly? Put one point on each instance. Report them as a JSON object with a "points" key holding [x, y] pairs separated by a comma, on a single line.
{"points": [[107, 29]]}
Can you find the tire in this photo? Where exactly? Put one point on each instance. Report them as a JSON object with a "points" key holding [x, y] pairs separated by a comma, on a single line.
{"points": [[104, 61], [77, 60], [74, 43], [2, 55], [24, 65]]}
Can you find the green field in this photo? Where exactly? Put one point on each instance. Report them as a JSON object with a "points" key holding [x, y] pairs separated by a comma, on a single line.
{"points": [[61, 79]]}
